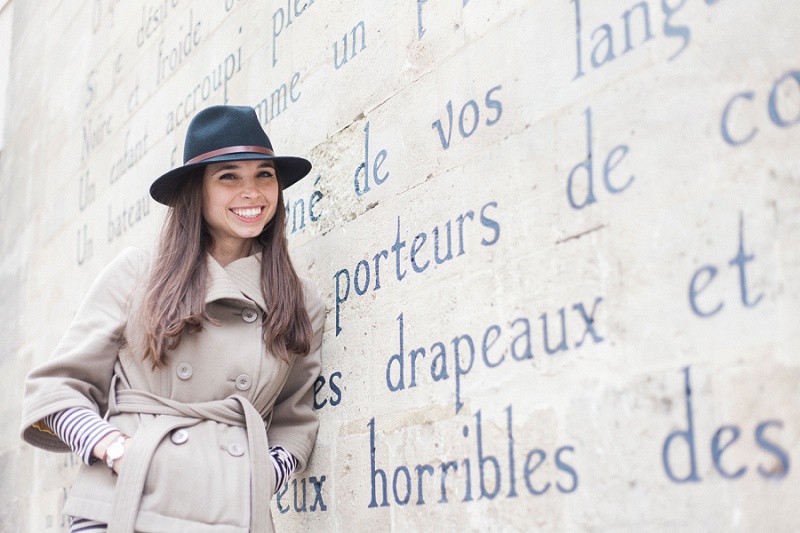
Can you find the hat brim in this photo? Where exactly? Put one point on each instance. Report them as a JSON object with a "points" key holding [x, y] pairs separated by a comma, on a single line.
{"points": [[290, 170]]}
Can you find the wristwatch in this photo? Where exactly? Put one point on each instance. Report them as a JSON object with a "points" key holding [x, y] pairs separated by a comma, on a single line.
{"points": [[115, 451]]}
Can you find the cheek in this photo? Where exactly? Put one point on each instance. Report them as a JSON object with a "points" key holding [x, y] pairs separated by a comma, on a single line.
{"points": [[270, 192], [215, 199]]}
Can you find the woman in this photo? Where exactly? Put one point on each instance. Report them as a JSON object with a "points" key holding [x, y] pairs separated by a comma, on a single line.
{"points": [[202, 359]]}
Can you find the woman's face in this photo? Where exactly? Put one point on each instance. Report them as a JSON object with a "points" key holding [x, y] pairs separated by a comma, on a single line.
{"points": [[239, 199]]}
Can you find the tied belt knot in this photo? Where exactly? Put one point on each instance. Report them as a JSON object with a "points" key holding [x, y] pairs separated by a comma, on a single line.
{"points": [[234, 410]]}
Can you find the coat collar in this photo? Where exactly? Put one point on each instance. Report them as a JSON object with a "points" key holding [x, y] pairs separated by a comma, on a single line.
{"points": [[240, 280]]}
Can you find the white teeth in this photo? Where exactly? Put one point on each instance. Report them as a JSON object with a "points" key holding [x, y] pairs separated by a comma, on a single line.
{"points": [[252, 212]]}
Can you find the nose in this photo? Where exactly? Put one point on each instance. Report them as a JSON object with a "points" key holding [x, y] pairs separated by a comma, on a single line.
{"points": [[249, 189]]}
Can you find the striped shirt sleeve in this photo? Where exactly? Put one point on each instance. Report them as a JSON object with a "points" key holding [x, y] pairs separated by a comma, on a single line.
{"points": [[81, 429], [284, 464]]}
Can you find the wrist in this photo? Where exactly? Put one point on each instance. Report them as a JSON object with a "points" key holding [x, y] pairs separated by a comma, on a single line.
{"points": [[111, 449], [99, 450]]}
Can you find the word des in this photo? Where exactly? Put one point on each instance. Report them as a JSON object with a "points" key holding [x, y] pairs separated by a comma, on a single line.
{"points": [[612, 160], [365, 165], [321, 395], [301, 494], [340, 63], [469, 117], [491, 473], [684, 442], [703, 277], [783, 116]]}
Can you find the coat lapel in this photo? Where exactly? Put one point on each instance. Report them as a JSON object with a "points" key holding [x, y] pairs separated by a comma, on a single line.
{"points": [[240, 280]]}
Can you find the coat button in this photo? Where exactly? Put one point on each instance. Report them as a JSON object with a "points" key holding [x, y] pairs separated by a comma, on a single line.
{"points": [[235, 449], [249, 314], [243, 382], [184, 370], [180, 436]]}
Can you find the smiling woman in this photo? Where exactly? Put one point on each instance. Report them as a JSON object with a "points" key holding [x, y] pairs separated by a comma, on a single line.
{"points": [[205, 376], [239, 199]]}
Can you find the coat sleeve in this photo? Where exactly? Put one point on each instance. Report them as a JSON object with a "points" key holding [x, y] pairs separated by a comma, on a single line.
{"points": [[79, 372], [294, 421]]}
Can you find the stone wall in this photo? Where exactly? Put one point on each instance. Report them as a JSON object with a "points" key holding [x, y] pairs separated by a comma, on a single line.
{"points": [[557, 240]]}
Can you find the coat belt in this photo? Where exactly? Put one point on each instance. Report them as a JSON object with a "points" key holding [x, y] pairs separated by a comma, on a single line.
{"points": [[234, 410]]}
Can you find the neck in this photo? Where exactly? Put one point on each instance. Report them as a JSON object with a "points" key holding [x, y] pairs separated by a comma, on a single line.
{"points": [[227, 252]]}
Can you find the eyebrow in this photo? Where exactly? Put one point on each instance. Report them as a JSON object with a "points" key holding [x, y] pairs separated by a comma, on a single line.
{"points": [[234, 166]]}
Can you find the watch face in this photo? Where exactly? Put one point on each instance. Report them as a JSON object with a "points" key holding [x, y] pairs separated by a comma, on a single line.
{"points": [[115, 451]]}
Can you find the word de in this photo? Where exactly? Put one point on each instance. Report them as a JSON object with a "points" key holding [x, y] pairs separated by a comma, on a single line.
{"points": [[603, 41], [365, 166], [773, 109], [285, 17], [469, 117], [336, 62], [152, 19], [613, 159], [269, 109], [364, 272], [319, 385], [723, 438], [169, 60], [490, 471], [299, 206], [462, 356], [299, 489], [703, 277]]}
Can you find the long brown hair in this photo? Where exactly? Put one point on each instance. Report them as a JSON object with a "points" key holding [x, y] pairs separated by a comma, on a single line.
{"points": [[174, 301]]}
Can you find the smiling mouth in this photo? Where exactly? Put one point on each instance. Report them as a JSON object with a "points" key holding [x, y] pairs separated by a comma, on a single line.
{"points": [[248, 212]]}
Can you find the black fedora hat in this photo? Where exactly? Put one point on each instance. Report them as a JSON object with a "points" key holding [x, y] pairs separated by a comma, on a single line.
{"points": [[227, 133]]}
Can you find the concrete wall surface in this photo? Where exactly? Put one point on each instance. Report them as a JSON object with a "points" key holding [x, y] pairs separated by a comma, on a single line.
{"points": [[557, 239]]}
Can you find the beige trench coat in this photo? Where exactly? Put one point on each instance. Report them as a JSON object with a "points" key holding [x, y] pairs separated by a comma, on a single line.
{"points": [[220, 388]]}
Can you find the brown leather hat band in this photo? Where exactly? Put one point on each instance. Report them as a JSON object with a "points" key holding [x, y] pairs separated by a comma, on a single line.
{"points": [[231, 150]]}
